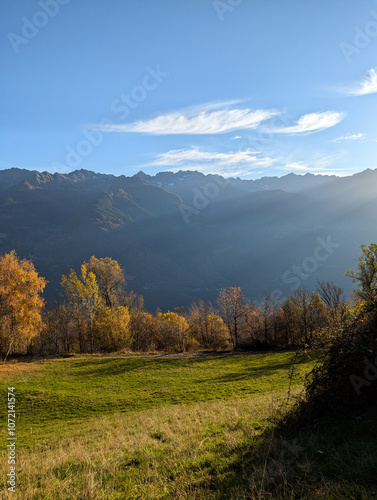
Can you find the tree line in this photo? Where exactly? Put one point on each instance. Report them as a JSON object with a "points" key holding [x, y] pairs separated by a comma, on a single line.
{"points": [[98, 314]]}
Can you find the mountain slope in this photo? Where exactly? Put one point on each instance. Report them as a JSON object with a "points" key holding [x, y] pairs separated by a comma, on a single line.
{"points": [[180, 237]]}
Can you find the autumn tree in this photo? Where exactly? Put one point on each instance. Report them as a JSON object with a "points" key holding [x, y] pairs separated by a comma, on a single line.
{"points": [[216, 331], [207, 327], [317, 317], [82, 294], [49, 338], [110, 279], [143, 330], [253, 324], [133, 301], [302, 299], [143, 325], [366, 274], [58, 334], [304, 317], [265, 308], [173, 331], [111, 329], [233, 307], [20, 302], [290, 317]]}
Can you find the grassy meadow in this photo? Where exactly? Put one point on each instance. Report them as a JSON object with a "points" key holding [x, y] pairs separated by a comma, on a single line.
{"points": [[176, 428]]}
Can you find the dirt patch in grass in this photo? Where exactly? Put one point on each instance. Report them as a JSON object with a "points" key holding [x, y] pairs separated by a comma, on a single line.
{"points": [[14, 368]]}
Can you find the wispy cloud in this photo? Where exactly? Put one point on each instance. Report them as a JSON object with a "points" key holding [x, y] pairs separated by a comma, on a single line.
{"points": [[210, 118], [313, 122], [350, 137], [229, 164], [297, 166], [319, 164], [368, 85]]}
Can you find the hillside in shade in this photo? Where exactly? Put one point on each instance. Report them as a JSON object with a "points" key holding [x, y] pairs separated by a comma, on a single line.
{"points": [[181, 236]]}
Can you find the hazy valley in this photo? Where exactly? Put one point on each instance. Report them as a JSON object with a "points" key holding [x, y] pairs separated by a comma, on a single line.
{"points": [[189, 232]]}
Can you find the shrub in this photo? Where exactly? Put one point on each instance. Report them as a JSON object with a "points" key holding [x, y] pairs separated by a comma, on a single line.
{"points": [[344, 383]]}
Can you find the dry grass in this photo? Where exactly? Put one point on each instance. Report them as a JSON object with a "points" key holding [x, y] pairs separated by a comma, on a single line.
{"points": [[216, 450], [17, 369], [139, 455], [186, 448]]}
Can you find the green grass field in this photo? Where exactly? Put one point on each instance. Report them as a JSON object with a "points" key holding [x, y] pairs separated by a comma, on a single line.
{"points": [[181, 428]]}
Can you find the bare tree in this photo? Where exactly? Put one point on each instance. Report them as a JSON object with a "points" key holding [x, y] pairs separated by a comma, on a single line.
{"points": [[233, 306], [331, 295]]}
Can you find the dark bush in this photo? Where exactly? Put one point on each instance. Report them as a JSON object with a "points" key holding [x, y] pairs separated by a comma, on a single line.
{"points": [[344, 383]]}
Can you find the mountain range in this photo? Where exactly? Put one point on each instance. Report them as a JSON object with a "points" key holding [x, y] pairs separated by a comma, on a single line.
{"points": [[182, 236]]}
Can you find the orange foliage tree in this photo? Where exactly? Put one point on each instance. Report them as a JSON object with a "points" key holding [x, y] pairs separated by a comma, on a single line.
{"points": [[20, 302]]}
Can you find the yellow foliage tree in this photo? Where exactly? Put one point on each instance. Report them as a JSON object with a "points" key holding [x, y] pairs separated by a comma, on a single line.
{"points": [[173, 330], [20, 302], [82, 293], [110, 279], [207, 327], [111, 327], [217, 331], [144, 330]]}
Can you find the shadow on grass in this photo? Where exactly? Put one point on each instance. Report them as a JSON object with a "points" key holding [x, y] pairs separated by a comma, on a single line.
{"points": [[258, 371], [117, 366], [107, 367], [331, 460]]}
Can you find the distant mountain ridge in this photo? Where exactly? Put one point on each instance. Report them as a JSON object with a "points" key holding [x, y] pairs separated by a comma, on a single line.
{"points": [[290, 182], [182, 236]]}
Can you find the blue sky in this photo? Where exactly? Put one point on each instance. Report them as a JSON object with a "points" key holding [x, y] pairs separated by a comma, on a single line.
{"points": [[236, 87]]}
